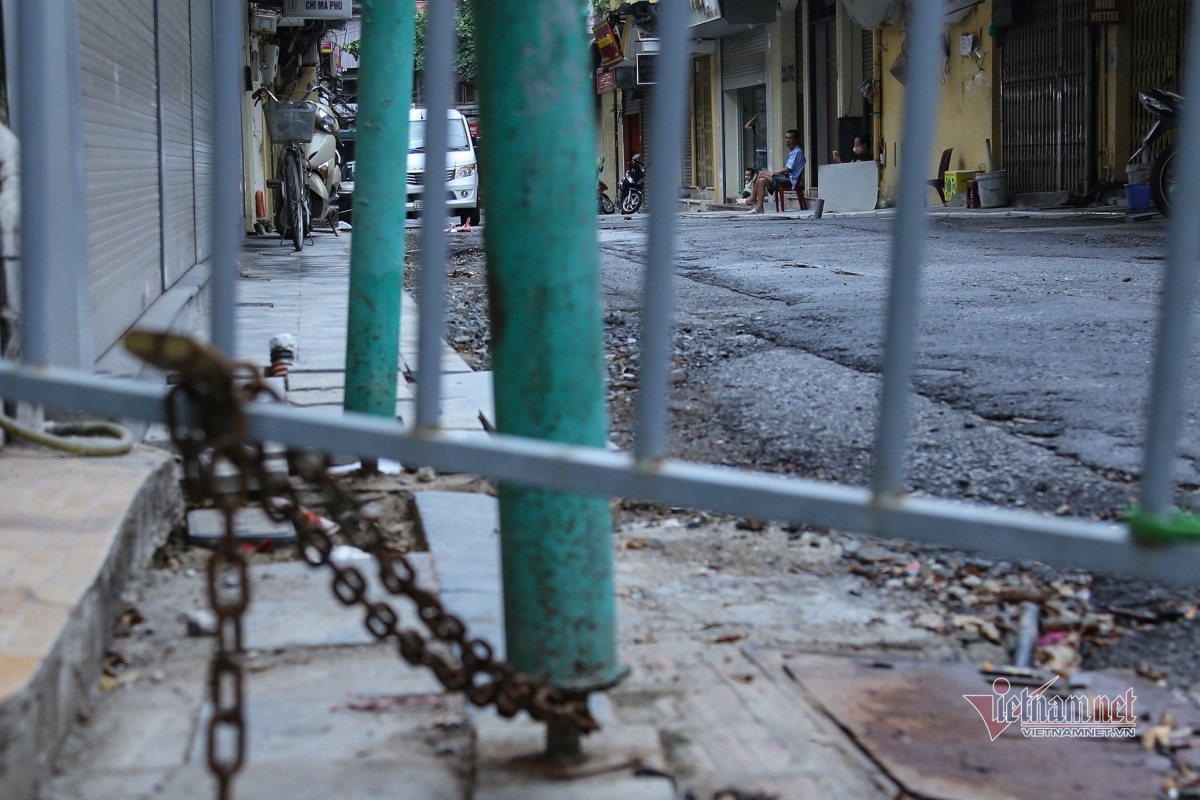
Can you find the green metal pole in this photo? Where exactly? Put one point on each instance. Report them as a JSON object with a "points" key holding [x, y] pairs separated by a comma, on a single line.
{"points": [[538, 172], [377, 253]]}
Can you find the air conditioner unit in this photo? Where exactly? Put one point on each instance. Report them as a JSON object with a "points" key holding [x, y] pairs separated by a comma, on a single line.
{"points": [[265, 21]]}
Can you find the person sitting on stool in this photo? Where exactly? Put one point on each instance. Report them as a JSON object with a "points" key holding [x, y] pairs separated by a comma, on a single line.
{"points": [[786, 178]]}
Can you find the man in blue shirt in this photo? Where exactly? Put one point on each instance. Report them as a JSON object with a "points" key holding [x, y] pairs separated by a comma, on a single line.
{"points": [[785, 178]]}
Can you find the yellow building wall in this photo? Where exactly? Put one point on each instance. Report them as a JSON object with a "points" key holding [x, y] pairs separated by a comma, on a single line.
{"points": [[969, 105], [1113, 143], [610, 138]]}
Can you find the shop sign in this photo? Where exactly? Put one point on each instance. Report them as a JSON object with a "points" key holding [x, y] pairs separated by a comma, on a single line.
{"points": [[647, 64], [606, 82], [1105, 12], [609, 45], [318, 9]]}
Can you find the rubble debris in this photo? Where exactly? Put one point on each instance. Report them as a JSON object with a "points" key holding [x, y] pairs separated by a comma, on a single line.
{"points": [[201, 622], [130, 618], [727, 638], [1027, 634]]}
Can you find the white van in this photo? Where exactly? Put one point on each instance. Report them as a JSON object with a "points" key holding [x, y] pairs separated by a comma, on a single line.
{"points": [[462, 169]]}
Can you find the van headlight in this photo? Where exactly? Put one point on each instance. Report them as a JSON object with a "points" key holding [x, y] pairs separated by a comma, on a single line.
{"points": [[464, 172]]}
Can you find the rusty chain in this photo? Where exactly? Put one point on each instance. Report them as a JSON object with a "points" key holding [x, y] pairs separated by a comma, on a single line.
{"points": [[221, 465]]}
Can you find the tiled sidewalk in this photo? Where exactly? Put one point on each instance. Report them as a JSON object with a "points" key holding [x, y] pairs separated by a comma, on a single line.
{"points": [[306, 294], [71, 529]]}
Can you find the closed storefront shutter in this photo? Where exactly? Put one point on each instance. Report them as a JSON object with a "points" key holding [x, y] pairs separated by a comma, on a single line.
{"points": [[868, 53], [1047, 100], [202, 123], [685, 164], [175, 23], [744, 59], [120, 134], [647, 124]]}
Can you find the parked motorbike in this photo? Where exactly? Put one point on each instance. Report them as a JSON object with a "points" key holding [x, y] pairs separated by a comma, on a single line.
{"points": [[324, 161], [1167, 106], [632, 189], [606, 203]]}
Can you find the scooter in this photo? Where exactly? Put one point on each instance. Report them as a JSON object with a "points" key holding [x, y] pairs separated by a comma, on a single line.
{"points": [[606, 203], [324, 161], [1167, 105], [632, 188]]}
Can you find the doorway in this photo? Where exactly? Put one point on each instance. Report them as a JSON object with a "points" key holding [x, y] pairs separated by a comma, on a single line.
{"points": [[633, 138], [823, 79], [752, 118]]}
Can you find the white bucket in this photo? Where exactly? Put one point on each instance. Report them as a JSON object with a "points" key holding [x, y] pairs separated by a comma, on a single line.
{"points": [[1138, 173], [993, 189]]}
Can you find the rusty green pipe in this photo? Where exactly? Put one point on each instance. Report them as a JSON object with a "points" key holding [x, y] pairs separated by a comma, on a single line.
{"points": [[538, 173], [377, 253]]}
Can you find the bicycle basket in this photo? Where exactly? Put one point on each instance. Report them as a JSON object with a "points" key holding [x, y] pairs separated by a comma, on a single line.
{"points": [[289, 121]]}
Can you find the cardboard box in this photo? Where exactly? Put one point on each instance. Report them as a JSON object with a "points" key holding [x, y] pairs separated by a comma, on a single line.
{"points": [[956, 180]]}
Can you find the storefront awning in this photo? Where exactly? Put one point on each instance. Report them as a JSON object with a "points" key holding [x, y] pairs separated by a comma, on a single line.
{"points": [[872, 14], [714, 19]]}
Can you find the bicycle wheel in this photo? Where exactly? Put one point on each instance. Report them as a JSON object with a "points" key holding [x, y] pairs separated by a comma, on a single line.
{"points": [[294, 181]]}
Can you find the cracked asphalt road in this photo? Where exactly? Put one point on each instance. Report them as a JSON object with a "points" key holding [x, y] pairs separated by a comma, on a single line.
{"points": [[1032, 368]]}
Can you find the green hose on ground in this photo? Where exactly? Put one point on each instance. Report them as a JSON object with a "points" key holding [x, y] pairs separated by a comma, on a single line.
{"points": [[76, 438]]}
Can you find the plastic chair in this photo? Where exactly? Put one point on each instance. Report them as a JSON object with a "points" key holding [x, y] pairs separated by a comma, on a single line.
{"points": [[781, 195], [939, 182]]}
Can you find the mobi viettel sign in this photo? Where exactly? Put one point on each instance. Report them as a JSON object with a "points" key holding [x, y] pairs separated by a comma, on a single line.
{"points": [[318, 9], [1105, 12]]}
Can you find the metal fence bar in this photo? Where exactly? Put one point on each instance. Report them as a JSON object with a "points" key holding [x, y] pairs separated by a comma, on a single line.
{"points": [[1008, 533], [56, 319], [439, 67], [1173, 344], [671, 99], [908, 245], [227, 171]]}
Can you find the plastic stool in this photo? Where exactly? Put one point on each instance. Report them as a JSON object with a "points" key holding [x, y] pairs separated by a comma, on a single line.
{"points": [[973, 194]]}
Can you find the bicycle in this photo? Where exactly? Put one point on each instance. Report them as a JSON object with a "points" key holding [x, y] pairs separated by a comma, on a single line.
{"points": [[291, 123]]}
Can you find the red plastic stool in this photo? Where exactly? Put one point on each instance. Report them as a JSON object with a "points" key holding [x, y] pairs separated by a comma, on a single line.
{"points": [[973, 194]]}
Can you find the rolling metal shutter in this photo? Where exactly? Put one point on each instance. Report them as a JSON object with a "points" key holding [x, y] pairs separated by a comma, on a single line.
{"points": [[175, 25], [685, 162], [744, 59], [202, 123], [1047, 100], [868, 54], [120, 135], [647, 124]]}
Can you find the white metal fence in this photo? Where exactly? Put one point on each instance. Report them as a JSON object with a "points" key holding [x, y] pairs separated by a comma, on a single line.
{"points": [[49, 262]]}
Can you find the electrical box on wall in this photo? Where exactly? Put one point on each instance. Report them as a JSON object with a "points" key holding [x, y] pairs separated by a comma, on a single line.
{"points": [[1011, 12], [270, 63]]}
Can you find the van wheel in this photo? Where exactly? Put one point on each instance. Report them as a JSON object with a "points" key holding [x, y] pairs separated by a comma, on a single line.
{"points": [[470, 215]]}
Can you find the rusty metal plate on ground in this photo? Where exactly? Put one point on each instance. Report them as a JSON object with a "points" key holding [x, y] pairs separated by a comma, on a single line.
{"points": [[911, 718]]}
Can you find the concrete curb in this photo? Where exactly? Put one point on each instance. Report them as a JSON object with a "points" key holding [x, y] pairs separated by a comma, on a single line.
{"points": [[35, 720]]}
